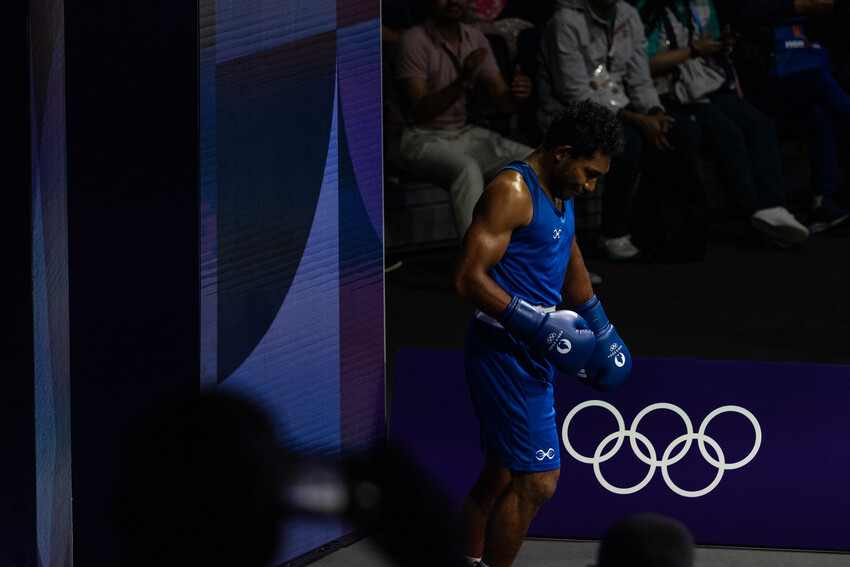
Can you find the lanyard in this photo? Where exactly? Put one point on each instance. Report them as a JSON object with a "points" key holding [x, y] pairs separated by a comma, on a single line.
{"points": [[697, 21], [612, 39]]}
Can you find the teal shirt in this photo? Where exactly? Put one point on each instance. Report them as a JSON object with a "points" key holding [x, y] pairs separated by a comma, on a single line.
{"points": [[683, 14]]}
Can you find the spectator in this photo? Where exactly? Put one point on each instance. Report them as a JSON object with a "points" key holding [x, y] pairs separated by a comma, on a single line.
{"points": [[782, 88], [832, 32], [438, 62], [596, 49], [686, 48], [646, 540], [494, 17]]}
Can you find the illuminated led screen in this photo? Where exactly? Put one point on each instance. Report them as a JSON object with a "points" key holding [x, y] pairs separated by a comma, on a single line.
{"points": [[50, 282], [291, 222]]}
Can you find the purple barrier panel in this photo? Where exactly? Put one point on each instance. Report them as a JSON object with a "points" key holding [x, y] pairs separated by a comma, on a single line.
{"points": [[744, 453]]}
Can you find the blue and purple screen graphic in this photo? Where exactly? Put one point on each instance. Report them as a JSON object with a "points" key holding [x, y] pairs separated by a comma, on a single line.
{"points": [[291, 222], [50, 282]]}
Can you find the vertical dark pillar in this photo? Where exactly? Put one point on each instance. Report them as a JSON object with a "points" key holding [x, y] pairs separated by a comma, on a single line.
{"points": [[17, 428], [132, 146]]}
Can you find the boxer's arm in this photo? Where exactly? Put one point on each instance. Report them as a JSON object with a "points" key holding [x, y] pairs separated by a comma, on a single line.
{"points": [[610, 362], [577, 288], [504, 206]]}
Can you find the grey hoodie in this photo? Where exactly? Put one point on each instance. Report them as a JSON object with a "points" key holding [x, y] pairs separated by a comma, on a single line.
{"points": [[576, 41]]}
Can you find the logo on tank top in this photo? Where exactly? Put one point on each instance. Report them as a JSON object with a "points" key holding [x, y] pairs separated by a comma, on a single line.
{"points": [[556, 234]]}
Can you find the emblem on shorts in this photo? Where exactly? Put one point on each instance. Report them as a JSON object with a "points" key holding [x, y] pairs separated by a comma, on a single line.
{"points": [[550, 454]]}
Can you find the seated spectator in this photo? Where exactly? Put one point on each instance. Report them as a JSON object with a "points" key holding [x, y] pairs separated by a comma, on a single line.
{"points": [[596, 49], [793, 79], [494, 17], [437, 63], [686, 49], [488, 10], [646, 540], [832, 33]]}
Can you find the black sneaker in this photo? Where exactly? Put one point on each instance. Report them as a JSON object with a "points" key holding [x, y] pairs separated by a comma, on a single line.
{"points": [[826, 216]]}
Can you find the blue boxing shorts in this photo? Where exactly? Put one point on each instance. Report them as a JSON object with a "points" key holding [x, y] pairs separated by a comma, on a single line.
{"points": [[512, 394]]}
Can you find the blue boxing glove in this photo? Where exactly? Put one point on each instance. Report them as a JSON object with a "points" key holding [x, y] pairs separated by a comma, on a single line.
{"points": [[610, 362], [562, 337]]}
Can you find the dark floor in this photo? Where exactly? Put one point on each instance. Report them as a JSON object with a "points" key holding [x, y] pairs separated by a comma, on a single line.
{"points": [[575, 553], [745, 301]]}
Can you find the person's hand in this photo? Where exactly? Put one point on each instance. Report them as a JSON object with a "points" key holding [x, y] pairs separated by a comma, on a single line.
{"points": [[729, 38], [471, 66], [654, 128], [707, 46], [813, 7], [520, 86]]}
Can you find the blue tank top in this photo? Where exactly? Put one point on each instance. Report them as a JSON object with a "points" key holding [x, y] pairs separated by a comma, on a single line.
{"points": [[535, 262]]}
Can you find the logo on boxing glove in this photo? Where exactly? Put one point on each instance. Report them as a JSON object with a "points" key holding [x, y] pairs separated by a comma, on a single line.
{"points": [[619, 357], [563, 346]]}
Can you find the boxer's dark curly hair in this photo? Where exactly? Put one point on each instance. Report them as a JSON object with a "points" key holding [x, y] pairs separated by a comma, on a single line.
{"points": [[588, 127]]}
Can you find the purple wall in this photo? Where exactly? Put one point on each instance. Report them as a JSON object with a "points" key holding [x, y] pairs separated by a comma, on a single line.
{"points": [[744, 453]]}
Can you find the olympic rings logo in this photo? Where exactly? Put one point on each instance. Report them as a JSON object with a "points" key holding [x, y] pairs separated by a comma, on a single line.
{"points": [[667, 459]]}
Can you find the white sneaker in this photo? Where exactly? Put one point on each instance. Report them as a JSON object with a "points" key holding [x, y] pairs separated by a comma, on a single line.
{"points": [[779, 223], [620, 248]]}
